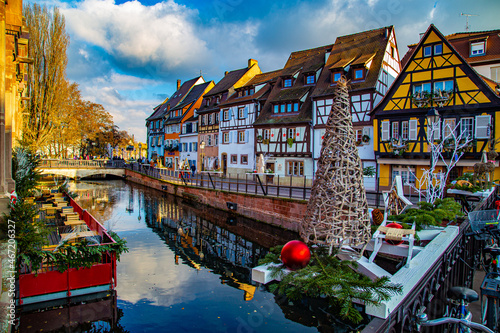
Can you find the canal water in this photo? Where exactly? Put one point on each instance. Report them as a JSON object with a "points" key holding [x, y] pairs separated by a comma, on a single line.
{"points": [[188, 269]]}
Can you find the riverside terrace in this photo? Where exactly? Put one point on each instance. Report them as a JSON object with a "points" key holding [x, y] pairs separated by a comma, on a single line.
{"points": [[67, 222]]}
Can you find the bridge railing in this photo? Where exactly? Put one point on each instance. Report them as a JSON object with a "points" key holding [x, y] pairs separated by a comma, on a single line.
{"points": [[70, 163], [455, 267]]}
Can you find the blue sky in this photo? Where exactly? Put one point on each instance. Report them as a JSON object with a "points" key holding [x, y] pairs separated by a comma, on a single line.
{"points": [[128, 55]]}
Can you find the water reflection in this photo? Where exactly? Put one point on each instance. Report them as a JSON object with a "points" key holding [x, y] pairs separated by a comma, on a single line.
{"points": [[188, 269]]}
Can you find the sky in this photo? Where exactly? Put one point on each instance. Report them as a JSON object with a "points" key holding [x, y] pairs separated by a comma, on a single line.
{"points": [[128, 55]]}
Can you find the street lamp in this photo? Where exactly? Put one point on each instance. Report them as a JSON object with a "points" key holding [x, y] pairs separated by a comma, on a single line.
{"points": [[202, 147]]}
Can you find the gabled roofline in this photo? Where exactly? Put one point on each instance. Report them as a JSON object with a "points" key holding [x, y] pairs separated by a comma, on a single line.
{"points": [[398, 80]]}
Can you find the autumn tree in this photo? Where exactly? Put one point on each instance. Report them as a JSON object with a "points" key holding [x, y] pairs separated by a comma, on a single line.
{"points": [[46, 76]]}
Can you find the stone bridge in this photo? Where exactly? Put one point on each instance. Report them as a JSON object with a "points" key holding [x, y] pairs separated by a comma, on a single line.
{"points": [[77, 169]]}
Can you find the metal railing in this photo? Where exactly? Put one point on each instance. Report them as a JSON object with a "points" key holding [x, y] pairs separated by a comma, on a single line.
{"points": [[455, 267], [250, 183]]}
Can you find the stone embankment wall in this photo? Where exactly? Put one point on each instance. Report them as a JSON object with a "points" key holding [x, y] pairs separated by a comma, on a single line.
{"points": [[281, 212]]}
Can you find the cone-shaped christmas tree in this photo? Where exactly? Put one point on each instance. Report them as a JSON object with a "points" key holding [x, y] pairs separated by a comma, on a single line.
{"points": [[337, 212]]}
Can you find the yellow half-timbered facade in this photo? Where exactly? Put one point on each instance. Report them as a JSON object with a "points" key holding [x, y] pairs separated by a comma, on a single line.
{"points": [[435, 76]]}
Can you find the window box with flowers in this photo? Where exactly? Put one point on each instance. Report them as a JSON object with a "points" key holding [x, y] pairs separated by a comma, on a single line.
{"points": [[399, 146], [265, 141]]}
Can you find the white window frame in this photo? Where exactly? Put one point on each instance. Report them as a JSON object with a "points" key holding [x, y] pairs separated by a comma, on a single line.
{"points": [[395, 130], [225, 114], [241, 136], [478, 48], [295, 168], [266, 134], [470, 126], [449, 125], [291, 133], [241, 112], [405, 130], [404, 173]]}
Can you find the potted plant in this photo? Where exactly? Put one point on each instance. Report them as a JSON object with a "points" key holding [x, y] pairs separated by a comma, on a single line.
{"points": [[290, 142], [265, 141]]}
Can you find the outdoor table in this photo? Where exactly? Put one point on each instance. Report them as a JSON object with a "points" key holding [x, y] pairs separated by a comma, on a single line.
{"points": [[77, 235], [465, 197]]}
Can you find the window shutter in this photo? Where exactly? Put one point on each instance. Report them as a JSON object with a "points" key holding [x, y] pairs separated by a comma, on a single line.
{"points": [[230, 114], [413, 125], [385, 130], [190, 146], [180, 147], [245, 112], [247, 134], [229, 137], [483, 127], [366, 131], [221, 115]]}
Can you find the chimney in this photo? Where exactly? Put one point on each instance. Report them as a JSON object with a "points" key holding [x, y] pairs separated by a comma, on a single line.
{"points": [[225, 73], [386, 34], [178, 84], [252, 62], [168, 107]]}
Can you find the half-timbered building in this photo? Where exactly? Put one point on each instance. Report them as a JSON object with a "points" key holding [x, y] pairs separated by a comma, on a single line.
{"points": [[188, 143], [175, 120], [237, 115], [370, 61], [209, 113], [481, 49], [464, 100], [155, 123], [285, 120]]}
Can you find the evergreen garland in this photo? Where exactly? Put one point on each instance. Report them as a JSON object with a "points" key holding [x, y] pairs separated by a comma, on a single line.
{"points": [[429, 214], [328, 276]]}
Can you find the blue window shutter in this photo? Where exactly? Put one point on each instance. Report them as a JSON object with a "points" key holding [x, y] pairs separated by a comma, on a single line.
{"points": [[245, 112], [221, 116], [190, 146], [196, 146], [230, 114], [180, 147], [247, 134], [230, 136]]}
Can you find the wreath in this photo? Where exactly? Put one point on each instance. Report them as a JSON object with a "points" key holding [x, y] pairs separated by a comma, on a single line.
{"points": [[365, 138]]}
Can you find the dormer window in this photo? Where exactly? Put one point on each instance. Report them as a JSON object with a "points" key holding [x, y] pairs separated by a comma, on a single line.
{"points": [[217, 100], [310, 79], [207, 102], [359, 74], [336, 77], [287, 83], [477, 48]]}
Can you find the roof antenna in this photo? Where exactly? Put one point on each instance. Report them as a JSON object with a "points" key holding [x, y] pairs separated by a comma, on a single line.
{"points": [[467, 20]]}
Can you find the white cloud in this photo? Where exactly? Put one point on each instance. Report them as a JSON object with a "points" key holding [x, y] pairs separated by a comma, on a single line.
{"points": [[162, 35]]}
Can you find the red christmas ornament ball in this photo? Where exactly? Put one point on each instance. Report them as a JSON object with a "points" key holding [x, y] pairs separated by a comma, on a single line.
{"points": [[397, 226], [295, 255]]}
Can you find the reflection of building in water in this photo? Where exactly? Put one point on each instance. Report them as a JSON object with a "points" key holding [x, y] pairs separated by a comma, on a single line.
{"points": [[201, 242]]}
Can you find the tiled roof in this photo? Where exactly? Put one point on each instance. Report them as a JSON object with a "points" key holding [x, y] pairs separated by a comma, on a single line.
{"points": [[264, 78], [227, 82], [175, 99], [356, 49], [291, 94], [300, 63], [195, 93]]}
